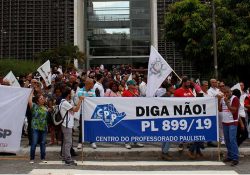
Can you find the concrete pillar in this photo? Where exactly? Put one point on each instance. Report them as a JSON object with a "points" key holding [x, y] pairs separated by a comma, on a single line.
{"points": [[154, 27], [79, 24]]}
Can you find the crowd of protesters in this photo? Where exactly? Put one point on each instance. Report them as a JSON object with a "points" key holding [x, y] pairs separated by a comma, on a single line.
{"points": [[69, 88]]}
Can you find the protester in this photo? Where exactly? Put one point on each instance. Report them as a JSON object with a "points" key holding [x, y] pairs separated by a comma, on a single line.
{"points": [[244, 99], [38, 125], [67, 110], [57, 96], [242, 133], [98, 87], [166, 145], [229, 108], [204, 88], [185, 91], [214, 91], [86, 91], [142, 86], [113, 90], [131, 92], [247, 109], [122, 86]]}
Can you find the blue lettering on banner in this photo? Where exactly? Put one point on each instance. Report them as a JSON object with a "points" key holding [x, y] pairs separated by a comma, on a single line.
{"points": [[108, 114], [187, 129]]}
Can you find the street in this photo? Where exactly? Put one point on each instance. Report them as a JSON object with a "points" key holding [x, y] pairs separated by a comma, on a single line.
{"points": [[125, 167], [115, 159]]}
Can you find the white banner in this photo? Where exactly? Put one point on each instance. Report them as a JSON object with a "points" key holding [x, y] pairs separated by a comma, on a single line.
{"points": [[13, 106], [158, 70], [12, 79], [122, 119], [45, 72]]}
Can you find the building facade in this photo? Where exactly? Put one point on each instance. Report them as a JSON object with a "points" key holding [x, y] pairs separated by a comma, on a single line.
{"points": [[118, 32], [107, 31], [121, 32], [31, 26]]}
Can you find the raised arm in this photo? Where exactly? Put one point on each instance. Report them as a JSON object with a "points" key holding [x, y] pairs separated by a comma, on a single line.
{"points": [[30, 98], [77, 107]]}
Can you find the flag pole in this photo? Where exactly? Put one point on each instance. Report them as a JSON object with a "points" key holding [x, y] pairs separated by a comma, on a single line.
{"points": [[176, 75]]}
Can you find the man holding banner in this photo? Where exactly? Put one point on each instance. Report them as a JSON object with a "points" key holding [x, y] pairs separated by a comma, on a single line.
{"points": [[185, 91], [68, 110], [131, 92], [86, 91]]}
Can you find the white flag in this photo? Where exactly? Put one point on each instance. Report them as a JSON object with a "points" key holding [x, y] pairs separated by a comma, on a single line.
{"points": [[237, 86], [45, 72], [12, 79], [158, 70], [102, 67], [13, 105], [198, 81], [76, 63], [130, 77], [60, 70]]}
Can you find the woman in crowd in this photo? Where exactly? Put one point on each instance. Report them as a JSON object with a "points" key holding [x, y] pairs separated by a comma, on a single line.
{"points": [[113, 90], [38, 125]]}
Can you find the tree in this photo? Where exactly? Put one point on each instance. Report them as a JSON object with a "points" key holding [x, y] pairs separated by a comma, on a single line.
{"points": [[189, 24], [63, 55], [18, 67]]}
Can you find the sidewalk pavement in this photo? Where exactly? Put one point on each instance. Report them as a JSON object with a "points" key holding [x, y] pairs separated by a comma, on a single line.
{"points": [[147, 153], [117, 151]]}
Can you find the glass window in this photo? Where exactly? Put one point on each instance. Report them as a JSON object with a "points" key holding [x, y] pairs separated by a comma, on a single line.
{"points": [[118, 28]]}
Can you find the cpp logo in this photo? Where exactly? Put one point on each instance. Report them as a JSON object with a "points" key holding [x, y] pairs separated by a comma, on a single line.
{"points": [[4, 133], [108, 114]]}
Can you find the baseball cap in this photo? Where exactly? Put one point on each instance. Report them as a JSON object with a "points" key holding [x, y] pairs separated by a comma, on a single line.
{"points": [[131, 82]]}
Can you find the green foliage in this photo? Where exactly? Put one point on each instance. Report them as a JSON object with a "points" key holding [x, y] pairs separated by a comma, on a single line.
{"points": [[18, 67], [63, 55], [189, 24]]}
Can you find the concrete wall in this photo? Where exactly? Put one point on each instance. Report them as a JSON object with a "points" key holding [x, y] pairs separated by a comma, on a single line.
{"points": [[79, 24], [154, 27]]}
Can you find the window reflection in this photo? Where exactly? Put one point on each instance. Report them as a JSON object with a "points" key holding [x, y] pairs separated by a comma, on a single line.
{"points": [[118, 28]]}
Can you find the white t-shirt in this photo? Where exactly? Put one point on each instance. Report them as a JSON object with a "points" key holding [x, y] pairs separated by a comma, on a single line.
{"points": [[242, 112], [204, 94], [213, 92], [143, 89], [69, 119], [242, 99], [100, 87]]}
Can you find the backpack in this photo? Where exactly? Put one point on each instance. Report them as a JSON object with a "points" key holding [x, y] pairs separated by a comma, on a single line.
{"points": [[56, 115]]}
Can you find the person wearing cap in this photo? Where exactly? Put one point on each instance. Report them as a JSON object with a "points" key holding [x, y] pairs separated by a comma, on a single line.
{"points": [[131, 92], [185, 91]]}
